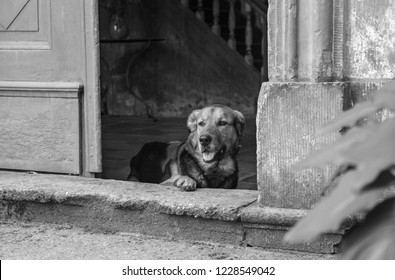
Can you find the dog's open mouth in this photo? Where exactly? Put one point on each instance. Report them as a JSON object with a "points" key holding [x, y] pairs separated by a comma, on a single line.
{"points": [[209, 157]]}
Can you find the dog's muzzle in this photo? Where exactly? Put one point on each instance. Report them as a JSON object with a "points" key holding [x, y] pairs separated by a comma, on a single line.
{"points": [[209, 156], [209, 151]]}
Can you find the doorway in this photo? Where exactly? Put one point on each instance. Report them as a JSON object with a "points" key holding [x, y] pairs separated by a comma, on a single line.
{"points": [[155, 72]]}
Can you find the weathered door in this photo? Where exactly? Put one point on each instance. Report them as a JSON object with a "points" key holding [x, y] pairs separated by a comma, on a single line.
{"points": [[49, 93]]}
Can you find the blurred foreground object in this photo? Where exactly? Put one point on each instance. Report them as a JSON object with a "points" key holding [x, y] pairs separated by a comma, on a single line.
{"points": [[375, 238], [366, 156]]}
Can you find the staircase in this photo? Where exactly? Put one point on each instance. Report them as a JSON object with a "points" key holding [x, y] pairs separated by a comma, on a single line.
{"points": [[214, 51], [241, 23]]}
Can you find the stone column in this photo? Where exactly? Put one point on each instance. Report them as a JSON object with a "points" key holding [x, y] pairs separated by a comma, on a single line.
{"points": [[301, 96], [323, 57]]}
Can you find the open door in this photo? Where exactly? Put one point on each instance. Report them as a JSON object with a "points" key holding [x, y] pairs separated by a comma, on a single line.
{"points": [[49, 88]]}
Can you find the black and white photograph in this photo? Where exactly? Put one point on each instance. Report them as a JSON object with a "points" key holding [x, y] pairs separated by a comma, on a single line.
{"points": [[197, 138]]}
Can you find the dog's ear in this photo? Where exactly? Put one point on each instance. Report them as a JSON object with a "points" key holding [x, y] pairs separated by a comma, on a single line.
{"points": [[239, 123], [192, 119]]}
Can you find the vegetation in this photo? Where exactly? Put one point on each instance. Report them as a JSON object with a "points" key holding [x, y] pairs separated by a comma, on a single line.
{"points": [[364, 181]]}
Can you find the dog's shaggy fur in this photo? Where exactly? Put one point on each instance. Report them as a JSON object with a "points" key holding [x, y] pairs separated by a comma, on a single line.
{"points": [[206, 160]]}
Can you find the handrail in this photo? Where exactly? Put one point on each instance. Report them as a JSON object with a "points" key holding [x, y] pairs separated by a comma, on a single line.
{"points": [[258, 6], [249, 47]]}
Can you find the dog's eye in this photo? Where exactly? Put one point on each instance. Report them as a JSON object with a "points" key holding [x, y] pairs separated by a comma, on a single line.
{"points": [[222, 123], [201, 123]]}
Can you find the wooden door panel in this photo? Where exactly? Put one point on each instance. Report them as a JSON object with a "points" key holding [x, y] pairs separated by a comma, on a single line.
{"points": [[25, 24], [18, 15], [40, 130], [48, 54]]}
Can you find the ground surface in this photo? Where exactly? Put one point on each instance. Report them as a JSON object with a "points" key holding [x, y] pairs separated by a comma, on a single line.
{"points": [[47, 241]]}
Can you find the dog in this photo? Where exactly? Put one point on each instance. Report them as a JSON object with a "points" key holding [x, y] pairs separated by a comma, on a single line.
{"points": [[207, 159]]}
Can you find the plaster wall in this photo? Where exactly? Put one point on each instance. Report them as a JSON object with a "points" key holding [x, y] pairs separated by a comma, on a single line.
{"points": [[369, 49]]}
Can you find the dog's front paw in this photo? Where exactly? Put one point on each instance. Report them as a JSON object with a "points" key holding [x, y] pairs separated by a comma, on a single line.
{"points": [[185, 183]]}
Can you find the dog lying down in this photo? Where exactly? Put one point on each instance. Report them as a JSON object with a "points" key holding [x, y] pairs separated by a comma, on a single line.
{"points": [[206, 160]]}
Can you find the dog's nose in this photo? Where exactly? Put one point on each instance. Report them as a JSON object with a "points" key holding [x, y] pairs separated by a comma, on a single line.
{"points": [[205, 140]]}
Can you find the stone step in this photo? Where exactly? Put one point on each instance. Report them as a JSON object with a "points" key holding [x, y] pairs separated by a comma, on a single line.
{"points": [[210, 215]]}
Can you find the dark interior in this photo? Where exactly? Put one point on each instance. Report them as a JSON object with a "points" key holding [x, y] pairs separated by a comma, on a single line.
{"points": [[159, 62]]}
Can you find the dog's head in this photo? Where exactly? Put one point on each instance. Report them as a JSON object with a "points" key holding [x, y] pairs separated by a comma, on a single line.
{"points": [[215, 132]]}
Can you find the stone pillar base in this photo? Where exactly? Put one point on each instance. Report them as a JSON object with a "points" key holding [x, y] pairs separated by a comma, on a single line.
{"points": [[288, 117], [266, 226]]}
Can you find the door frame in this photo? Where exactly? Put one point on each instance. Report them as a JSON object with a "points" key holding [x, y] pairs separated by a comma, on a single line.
{"points": [[91, 116]]}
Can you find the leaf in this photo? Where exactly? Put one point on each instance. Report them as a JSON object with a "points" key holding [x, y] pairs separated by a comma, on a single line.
{"points": [[334, 152], [369, 150], [385, 97], [328, 215], [375, 237], [350, 117], [371, 158], [376, 154], [371, 143]]}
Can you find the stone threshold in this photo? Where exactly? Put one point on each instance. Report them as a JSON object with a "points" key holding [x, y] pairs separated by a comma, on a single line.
{"points": [[210, 215]]}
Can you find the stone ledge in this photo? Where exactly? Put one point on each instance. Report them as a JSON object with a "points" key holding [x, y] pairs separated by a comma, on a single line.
{"points": [[210, 215], [271, 215], [71, 190]]}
